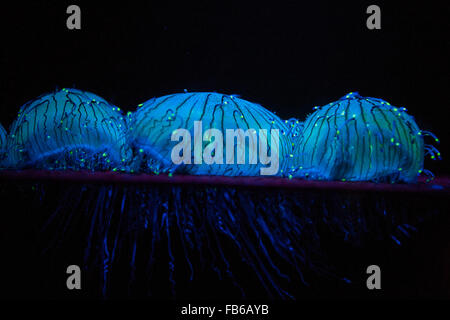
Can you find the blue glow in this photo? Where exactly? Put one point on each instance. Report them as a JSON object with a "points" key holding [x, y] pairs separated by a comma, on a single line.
{"points": [[152, 125], [68, 129], [353, 139], [359, 139], [3, 135]]}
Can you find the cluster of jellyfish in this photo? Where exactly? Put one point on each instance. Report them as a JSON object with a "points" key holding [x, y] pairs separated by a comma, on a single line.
{"points": [[352, 139]]}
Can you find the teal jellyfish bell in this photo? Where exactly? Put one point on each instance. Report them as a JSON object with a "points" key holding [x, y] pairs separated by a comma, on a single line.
{"points": [[68, 129], [358, 138]]}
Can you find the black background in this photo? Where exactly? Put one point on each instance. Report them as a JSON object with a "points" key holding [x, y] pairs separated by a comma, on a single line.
{"points": [[287, 56]]}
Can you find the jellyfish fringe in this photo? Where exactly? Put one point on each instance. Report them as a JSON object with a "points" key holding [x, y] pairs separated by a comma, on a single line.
{"points": [[162, 239]]}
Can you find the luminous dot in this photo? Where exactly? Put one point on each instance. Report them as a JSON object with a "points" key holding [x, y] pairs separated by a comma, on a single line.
{"points": [[400, 169], [141, 150]]}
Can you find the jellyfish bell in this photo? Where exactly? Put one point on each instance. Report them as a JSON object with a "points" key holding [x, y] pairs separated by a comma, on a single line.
{"points": [[68, 129], [154, 129], [359, 138]]}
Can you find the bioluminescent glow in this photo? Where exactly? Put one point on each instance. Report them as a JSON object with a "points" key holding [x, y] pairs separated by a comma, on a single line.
{"points": [[193, 227], [361, 139], [153, 124], [354, 138], [68, 129]]}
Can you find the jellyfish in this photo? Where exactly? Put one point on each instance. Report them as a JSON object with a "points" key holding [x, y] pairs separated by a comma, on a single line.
{"points": [[361, 139], [209, 119], [68, 129], [144, 229]]}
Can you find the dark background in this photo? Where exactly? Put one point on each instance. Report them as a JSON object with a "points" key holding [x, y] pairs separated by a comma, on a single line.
{"points": [[288, 56]]}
